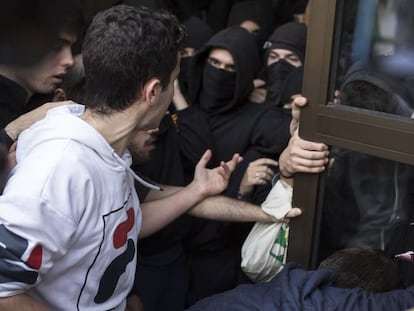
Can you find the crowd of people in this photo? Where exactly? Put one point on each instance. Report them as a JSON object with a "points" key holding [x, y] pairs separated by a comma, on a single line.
{"points": [[132, 169]]}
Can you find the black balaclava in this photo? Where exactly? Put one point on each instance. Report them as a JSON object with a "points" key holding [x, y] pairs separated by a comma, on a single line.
{"points": [[292, 86], [255, 11], [218, 88], [245, 53], [198, 33], [292, 37], [276, 75]]}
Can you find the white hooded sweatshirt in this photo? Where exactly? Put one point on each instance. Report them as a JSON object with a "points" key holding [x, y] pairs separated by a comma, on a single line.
{"points": [[69, 217]]}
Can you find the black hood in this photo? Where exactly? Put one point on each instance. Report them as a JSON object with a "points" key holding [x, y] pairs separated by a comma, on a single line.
{"points": [[374, 73], [255, 11], [243, 48], [198, 32]]}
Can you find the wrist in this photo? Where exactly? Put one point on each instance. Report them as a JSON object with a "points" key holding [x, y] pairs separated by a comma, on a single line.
{"points": [[286, 175], [197, 191]]}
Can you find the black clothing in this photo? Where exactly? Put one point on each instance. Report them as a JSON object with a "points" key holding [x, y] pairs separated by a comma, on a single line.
{"points": [[218, 88], [12, 106], [276, 75], [292, 85], [284, 11], [161, 268], [198, 33], [235, 125], [255, 11], [214, 12], [290, 36]]}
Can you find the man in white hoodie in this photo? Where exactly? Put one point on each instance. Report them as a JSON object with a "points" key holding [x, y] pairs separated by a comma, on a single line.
{"points": [[70, 216]]}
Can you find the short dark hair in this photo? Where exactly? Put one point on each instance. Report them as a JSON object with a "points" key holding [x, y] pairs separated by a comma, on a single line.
{"points": [[36, 24], [364, 268], [123, 48]]}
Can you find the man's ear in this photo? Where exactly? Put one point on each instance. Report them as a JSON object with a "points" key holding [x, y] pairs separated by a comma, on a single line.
{"points": [[152, 89], [59, 95]]}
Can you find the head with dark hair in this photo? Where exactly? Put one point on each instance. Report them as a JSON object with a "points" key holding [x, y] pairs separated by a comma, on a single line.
{"points": [[35, 24], [368, 269], [123, 49], [367, 86]]}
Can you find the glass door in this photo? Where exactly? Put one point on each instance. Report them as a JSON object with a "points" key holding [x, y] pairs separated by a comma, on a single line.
{"points": [[359, 72]]}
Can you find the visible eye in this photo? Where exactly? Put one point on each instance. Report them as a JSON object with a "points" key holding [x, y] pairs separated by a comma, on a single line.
{"points": [[273, 58], [213, 62], [230, 68], [293, 59], [183, 53]]}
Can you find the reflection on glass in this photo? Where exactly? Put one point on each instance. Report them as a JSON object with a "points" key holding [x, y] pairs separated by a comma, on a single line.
{"points": [[376, 56], [368, 203]]}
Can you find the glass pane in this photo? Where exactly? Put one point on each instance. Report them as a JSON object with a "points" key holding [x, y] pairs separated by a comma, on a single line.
{"points": [[374, 67], [368, 203]]}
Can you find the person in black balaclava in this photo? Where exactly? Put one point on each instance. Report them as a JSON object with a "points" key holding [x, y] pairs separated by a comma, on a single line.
{"points": [[253, 16], [285, 51], [222, 74], [198, 33]]}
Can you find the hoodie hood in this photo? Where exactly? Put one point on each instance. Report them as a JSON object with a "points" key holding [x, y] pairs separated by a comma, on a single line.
{"points": [[374, 74], [64, 123], [255, 11], [245, 53], [198, 32]]}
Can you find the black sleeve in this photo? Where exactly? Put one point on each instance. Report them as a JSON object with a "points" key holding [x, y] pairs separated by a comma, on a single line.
{"points": [[5, 140], [271, 133], [194, 136]]}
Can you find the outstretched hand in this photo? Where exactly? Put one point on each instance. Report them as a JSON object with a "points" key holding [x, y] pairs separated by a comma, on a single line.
{"points": [[213, 181]]}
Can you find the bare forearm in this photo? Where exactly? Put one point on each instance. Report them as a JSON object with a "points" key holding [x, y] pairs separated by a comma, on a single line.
{"points": [[158, 213], [157, 195], [21, 302], [227, 209]]}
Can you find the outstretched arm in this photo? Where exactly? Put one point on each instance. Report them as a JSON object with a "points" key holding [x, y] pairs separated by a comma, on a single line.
{"points": [[21, 302], [158, 213], [223, 208]]}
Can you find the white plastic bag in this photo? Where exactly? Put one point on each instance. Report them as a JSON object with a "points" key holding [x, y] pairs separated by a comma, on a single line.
{"points": [[265, 248]]}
